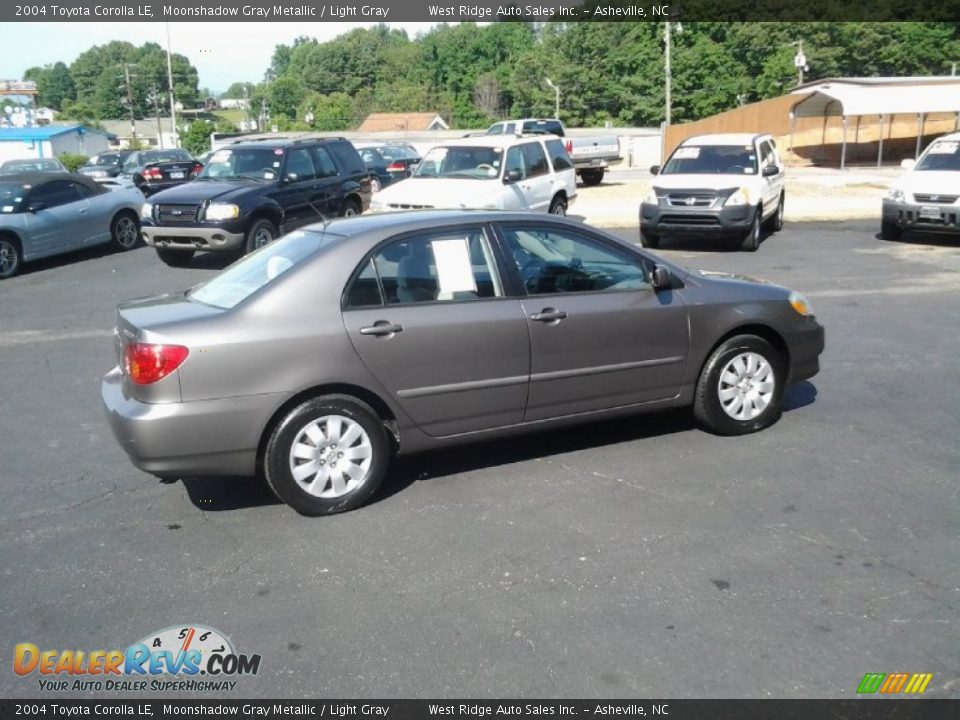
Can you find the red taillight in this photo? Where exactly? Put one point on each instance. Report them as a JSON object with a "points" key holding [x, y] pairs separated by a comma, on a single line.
{"points": [[197, 168], [152, 172], [396, 167], [146, 364], [569, 146]]}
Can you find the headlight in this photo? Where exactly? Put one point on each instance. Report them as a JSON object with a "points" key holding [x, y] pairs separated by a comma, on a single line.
{"points": [[739, 197], [896, 195], [222, 211], [651, 198], [146, 210], [799, 303]]}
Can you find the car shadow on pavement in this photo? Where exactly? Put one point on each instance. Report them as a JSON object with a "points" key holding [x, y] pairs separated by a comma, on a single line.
{"points": [[911, 237], [216, 494], [695, 244], [211, 261], [799, 395], [68, 258]]}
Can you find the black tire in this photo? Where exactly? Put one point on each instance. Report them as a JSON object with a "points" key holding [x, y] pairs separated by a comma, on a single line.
{"points": [[649, 240], [125, 231], [175, 258], [776, 222], [751, 241], [558, 206], [350, 208], [11, 256], [277, 456], [707, 406], [260, 233], [592, 177], [890, 230]]}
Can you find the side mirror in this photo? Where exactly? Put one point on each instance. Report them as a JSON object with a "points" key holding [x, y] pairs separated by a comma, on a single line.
{"points": [[36, 207], [771, 170], [512, 176], [908, 164], [654, 169], [660, 278]]}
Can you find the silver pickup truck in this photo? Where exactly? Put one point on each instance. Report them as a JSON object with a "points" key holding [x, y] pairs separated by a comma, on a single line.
{"points": [[591, 155]]}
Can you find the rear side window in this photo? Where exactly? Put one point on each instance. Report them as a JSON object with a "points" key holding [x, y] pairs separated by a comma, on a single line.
{"points": [[324, 163], [365, 290], [347, 158], [54, 194], [535, 159], [558, 155]]}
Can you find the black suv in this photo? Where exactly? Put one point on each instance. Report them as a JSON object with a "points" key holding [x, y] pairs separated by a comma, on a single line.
{"points": [[254, 191]]}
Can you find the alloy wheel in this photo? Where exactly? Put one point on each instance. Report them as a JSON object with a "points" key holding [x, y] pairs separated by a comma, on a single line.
{"points": [[746, 386], [331, 456]]}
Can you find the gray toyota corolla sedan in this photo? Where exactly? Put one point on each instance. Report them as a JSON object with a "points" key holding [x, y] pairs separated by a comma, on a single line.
{"points": [[322, 355]]}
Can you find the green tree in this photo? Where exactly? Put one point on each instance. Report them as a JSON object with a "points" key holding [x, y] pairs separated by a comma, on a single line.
{"points": [[197, 137], [236, 91], [285, 95], [54, 83]]}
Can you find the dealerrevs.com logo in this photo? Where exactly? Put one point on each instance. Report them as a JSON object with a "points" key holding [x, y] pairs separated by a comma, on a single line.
{"points": [[189, 658]]}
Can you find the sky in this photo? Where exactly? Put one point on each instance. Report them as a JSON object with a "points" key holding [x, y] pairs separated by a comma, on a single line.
{"points": [[223, 53]]}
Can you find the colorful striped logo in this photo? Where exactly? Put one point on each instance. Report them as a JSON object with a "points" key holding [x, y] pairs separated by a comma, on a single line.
{"points": [[894, 683]]}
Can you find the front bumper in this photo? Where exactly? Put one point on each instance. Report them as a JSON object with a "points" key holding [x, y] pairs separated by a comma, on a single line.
{"points": [[184, 439], [212, 239], [805, 345], [908, 217], [677, 220]]}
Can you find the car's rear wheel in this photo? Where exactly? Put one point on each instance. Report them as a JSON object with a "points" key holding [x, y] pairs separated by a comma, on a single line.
{"points": [[890, 230], [591, 177], [375, 185], [327, 455], [10, 257], [740, 387], [175, 258], [751, 241], [558, 206], [350, 208], [648, 239], [125, 231], [259, 234]]}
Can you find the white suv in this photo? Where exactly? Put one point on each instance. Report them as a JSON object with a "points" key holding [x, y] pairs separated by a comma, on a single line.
{"points": [[927, 197], [502, 173], [717, 185]]}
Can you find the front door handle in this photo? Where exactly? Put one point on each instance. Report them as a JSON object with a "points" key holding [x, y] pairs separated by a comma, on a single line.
{"points": [[381, 328], [549, 315]]}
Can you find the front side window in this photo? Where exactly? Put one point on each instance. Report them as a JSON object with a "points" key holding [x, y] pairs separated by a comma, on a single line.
{"points": [[471, 163], [299, 166], [562, 261], [450, 266], [259, 269], [942, 155], [55, 194], [515, 163], [712, 160]]}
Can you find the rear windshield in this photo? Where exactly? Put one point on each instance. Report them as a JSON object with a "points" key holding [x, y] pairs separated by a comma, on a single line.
{"points": [[943, 155], [106, 159], [259, 269], [164, 156], [712, 160], [551, 127]]}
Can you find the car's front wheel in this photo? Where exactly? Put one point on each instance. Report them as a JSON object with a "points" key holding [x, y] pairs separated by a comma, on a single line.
{"points": [[751, 241], [740, 387], [327, 455], [260, 233], [648, 239], [890, 230]]}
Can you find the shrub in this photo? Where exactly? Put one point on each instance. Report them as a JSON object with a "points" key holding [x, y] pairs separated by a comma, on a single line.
{"points": [[73, 162]]}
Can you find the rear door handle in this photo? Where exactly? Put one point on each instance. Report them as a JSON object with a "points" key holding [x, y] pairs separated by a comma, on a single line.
{"points": [[548, 315], [381, 328]]}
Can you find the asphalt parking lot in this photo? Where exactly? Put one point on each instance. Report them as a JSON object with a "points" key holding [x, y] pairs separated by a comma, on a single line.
{"points": [[643, 558]]}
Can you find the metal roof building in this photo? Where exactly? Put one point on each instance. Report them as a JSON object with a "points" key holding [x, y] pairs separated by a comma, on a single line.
{"points": [[50, 141]]}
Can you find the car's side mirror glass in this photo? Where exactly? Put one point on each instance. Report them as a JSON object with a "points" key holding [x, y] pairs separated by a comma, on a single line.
{"points": [[908, 164], [654, 169], [511, 176], [660, 278], [36, 206], [770, 171]]}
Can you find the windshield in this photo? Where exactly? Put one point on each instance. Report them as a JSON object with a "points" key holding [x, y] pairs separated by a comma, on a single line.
{"points": [[106, 159], [11, 195], [247, 163], [259, 269], [943, 155], [712, 160], [32, 166], [475, 163]]}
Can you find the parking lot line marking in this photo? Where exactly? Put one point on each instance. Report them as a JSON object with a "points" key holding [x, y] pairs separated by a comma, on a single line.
{"points": [[29, 337]]}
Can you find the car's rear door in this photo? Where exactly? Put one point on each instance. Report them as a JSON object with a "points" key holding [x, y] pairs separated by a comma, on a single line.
{"points": [[600, 336], [539, 181], [325, 190], [430, 317]]}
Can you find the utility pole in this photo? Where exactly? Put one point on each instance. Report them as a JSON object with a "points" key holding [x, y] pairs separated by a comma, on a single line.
{"points": [[556, 97], [133, 122], [800, 61], [155, 99], [173, 104]]}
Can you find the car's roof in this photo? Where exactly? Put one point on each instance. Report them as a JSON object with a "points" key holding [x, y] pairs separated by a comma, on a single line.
{"points": [[724, 139], [271, 144], [33, 179], [495, 141], [951, 137], [402, 221]]}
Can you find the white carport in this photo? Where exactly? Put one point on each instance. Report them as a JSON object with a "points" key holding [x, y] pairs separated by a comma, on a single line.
{"points": [[885, 97]]}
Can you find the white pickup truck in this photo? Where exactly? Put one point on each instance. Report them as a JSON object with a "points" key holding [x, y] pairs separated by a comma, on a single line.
{"points": [[591, 155]]}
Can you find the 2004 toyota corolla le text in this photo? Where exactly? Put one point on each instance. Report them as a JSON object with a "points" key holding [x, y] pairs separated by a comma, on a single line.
{"points": [[322, 355]]}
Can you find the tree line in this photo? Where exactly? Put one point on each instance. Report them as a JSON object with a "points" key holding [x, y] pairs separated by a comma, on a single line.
{"points": [[473, 75]]}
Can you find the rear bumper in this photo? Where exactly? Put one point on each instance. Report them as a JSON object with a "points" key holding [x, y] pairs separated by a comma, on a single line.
{"points": [[720, 221], [213, 239], [805, 347], [184, 439], [907, 217], [596, 163]]}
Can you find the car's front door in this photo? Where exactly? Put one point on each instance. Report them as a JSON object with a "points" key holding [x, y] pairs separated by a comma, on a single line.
{"points": [[601, 336], [772, 184], [296, 186], [429, 317], [60, 219]]}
